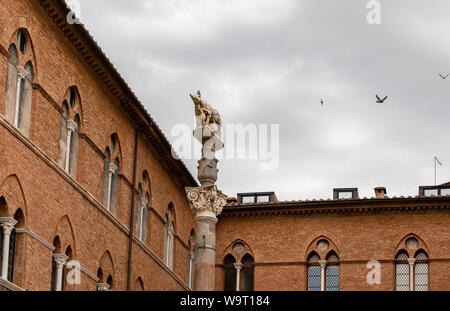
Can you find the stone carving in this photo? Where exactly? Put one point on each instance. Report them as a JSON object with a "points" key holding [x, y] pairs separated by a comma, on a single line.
{"points": [[206, 115], [204, 199], [208, 131]]}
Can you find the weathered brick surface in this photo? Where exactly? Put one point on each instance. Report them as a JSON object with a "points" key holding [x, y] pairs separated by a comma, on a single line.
{"points": [[52, 204], [280, 245]]}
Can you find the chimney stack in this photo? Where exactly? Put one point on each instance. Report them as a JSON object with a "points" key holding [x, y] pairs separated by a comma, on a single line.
{"points": [[380, 192]]}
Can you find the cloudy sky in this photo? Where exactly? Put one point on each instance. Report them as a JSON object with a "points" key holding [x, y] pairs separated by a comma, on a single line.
{"points": [[270, 62]]}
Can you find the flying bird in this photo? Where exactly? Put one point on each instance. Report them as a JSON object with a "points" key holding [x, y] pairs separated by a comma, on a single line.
{"points": [[379, 100], [443, 76], [321, 102]]}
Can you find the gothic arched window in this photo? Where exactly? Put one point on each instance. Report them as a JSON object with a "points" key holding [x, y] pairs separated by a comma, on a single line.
{"points": [[111, 168], [323, 266], [314, 273], [142, 208], [69, 132], [239, 267], [411, 266], [19, 80], [169, 232], [230, 273], [247, 273]]}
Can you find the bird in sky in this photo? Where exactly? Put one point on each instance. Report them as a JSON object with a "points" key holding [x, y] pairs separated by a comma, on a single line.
{"points": [[379, 100], [321, 102], [443, 76]]}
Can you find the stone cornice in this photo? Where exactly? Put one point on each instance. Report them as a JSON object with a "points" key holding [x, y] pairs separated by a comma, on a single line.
{"points": [[344, 206]]}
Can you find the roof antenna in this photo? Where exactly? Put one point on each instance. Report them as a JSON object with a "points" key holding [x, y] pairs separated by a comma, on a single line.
{"points": [[436, 161]]}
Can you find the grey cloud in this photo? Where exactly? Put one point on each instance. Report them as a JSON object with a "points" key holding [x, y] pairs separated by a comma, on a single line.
{"points": [[272, 61]]}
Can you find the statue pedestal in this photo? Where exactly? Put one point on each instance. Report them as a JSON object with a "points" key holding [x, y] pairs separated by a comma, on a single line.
{"points": [[206, 203], [210, 137]]}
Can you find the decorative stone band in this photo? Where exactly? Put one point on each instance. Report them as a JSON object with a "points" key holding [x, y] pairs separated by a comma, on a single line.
{"points": [[206, 201], [102, 287]]}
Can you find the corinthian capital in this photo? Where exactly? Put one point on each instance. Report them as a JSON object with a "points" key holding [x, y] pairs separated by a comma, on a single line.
{"points": [[60, 260], [8, 224], [206, 201]]}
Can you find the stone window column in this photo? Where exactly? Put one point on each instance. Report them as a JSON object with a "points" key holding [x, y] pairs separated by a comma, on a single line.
{"points": [[191, 267], [102, 287], [170, 234], [8, 225], [411, 262], [238, 267], [144, 203], [323, 264], [21, 75], [71, 128], [60, 260], [112, 171]]}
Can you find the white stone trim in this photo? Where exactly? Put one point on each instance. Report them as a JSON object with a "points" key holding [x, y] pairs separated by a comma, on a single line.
{"points": [[11, 286], [35, 236]]}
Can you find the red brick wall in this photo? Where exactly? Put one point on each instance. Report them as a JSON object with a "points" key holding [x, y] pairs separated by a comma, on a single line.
{"points": [[280, 243], [49, 194]]}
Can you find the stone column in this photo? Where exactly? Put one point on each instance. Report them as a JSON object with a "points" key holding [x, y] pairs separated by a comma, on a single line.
{"points": [[170, 244], [8, 224], [411, 262], [112, 170], [206, 203], [60, 260], [102, 287], [323, 264], [191, 268], [238, 267], [71, 127]]}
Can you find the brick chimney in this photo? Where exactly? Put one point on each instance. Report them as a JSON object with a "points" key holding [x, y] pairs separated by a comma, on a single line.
{"points": [[380, 192]]}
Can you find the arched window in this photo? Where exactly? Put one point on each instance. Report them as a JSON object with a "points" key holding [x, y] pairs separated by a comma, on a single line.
{"points": [[111, 176], [332, 273], [247, 273], [19, 79], [323, 266], [169, 232], [402, 272], [314, 273], [411, 266], [239, 267], [59, 261], [230, 273], [142, 208], [190, 268], [421, 271], [69, 132]]}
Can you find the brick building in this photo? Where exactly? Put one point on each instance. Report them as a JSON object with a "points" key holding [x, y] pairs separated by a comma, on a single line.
{"points": [[74, 144], [87, 177], [263, 244]]}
